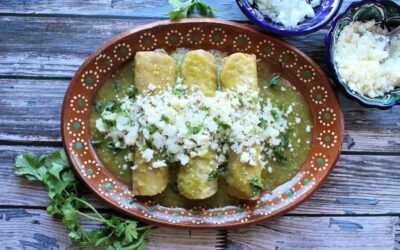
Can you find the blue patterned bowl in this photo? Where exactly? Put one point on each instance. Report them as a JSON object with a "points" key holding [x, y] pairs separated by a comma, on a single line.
{"points": [[386, 13], [323, 14]]}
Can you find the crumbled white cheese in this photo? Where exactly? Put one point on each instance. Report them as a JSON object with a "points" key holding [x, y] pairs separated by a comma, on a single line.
{"points": [[159, 164], [184, 126], [363, 60], [288, 12], [147, 155]]}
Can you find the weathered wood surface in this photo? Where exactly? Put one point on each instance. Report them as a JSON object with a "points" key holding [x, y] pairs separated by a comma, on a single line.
{"points": [[227, 9], [42, 44], [27, 117], [287, 232], [359, 185], [56, 46], [41, 232], [355, 233]]}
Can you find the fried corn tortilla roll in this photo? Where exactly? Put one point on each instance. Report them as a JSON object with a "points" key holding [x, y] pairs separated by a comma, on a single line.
{"points": [[157, 69], [244, 180], [199, 71], [154, 68], [198, 180]]}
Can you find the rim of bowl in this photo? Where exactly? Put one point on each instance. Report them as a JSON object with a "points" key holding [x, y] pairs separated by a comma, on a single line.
{"points": [[331, 65], [269, 27]]}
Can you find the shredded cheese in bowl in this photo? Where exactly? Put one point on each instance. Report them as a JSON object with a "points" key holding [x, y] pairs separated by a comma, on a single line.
{"points": [[363, 59], [289, 13]]}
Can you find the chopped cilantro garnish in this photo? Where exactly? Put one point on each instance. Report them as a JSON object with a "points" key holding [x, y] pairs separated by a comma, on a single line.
{"points": [[149, 143], [275, 115], [204, 108], [110, 106], [193, 130], [96, 143], [255, 185], [279, 151], [131, 91], [112, 146], [167, 157], [179, 92], [212, 175], [117, 85], [152, 128], [262, 123], [241, 100], [221, 125], [274, 80], [98, 107], [164, 118]]}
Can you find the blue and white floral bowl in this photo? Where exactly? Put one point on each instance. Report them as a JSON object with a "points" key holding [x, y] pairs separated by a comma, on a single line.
{"points": [[384, 12], [323, 14]]}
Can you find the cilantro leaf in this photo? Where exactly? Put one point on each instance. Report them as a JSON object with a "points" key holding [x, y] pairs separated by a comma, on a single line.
{"points": [[212, 175], [274, 80], [184, 9], [28, 165], [255, 185], [55, 173]]}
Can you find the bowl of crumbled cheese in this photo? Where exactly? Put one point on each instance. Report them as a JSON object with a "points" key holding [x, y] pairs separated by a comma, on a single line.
{"points": [[364, 52], [290, 17]]}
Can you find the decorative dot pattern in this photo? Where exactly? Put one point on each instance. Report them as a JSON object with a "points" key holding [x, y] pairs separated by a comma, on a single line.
{"points": [[174, 37], [318, 94], [265, 48], [107, 187], [217, 36], [306, 73], [327, 117], [327, 138], [103, 63], [75, 127], [90, 169], [78, 147], [288, 59], [319, 162], [79, 104], [242, 43], [122, 51], [147, 41], [90, 79], [195, 36]]}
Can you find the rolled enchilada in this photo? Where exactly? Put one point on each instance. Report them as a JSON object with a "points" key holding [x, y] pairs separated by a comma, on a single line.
{"points": [[159, 70], [198, 179], [244, 180]]}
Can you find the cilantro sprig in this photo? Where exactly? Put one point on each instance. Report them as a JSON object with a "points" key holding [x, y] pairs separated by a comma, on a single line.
{"points": [[65, 202], [185, 9]]}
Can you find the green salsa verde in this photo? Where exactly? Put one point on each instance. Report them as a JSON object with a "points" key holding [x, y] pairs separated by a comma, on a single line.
{"points": [[278, 171]]}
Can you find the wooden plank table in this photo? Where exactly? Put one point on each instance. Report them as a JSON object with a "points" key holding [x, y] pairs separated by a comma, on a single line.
{"points": [[42, 43]]}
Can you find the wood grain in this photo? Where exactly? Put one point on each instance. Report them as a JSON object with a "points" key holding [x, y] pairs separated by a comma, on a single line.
{"points": [[357, 208], [56, 46], [122, 8], [356, 233], [361, 185], [34, 229], [26, 117]]}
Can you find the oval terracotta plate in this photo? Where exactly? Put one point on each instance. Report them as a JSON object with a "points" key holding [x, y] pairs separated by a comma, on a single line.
{"points": [[229, 37]]}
